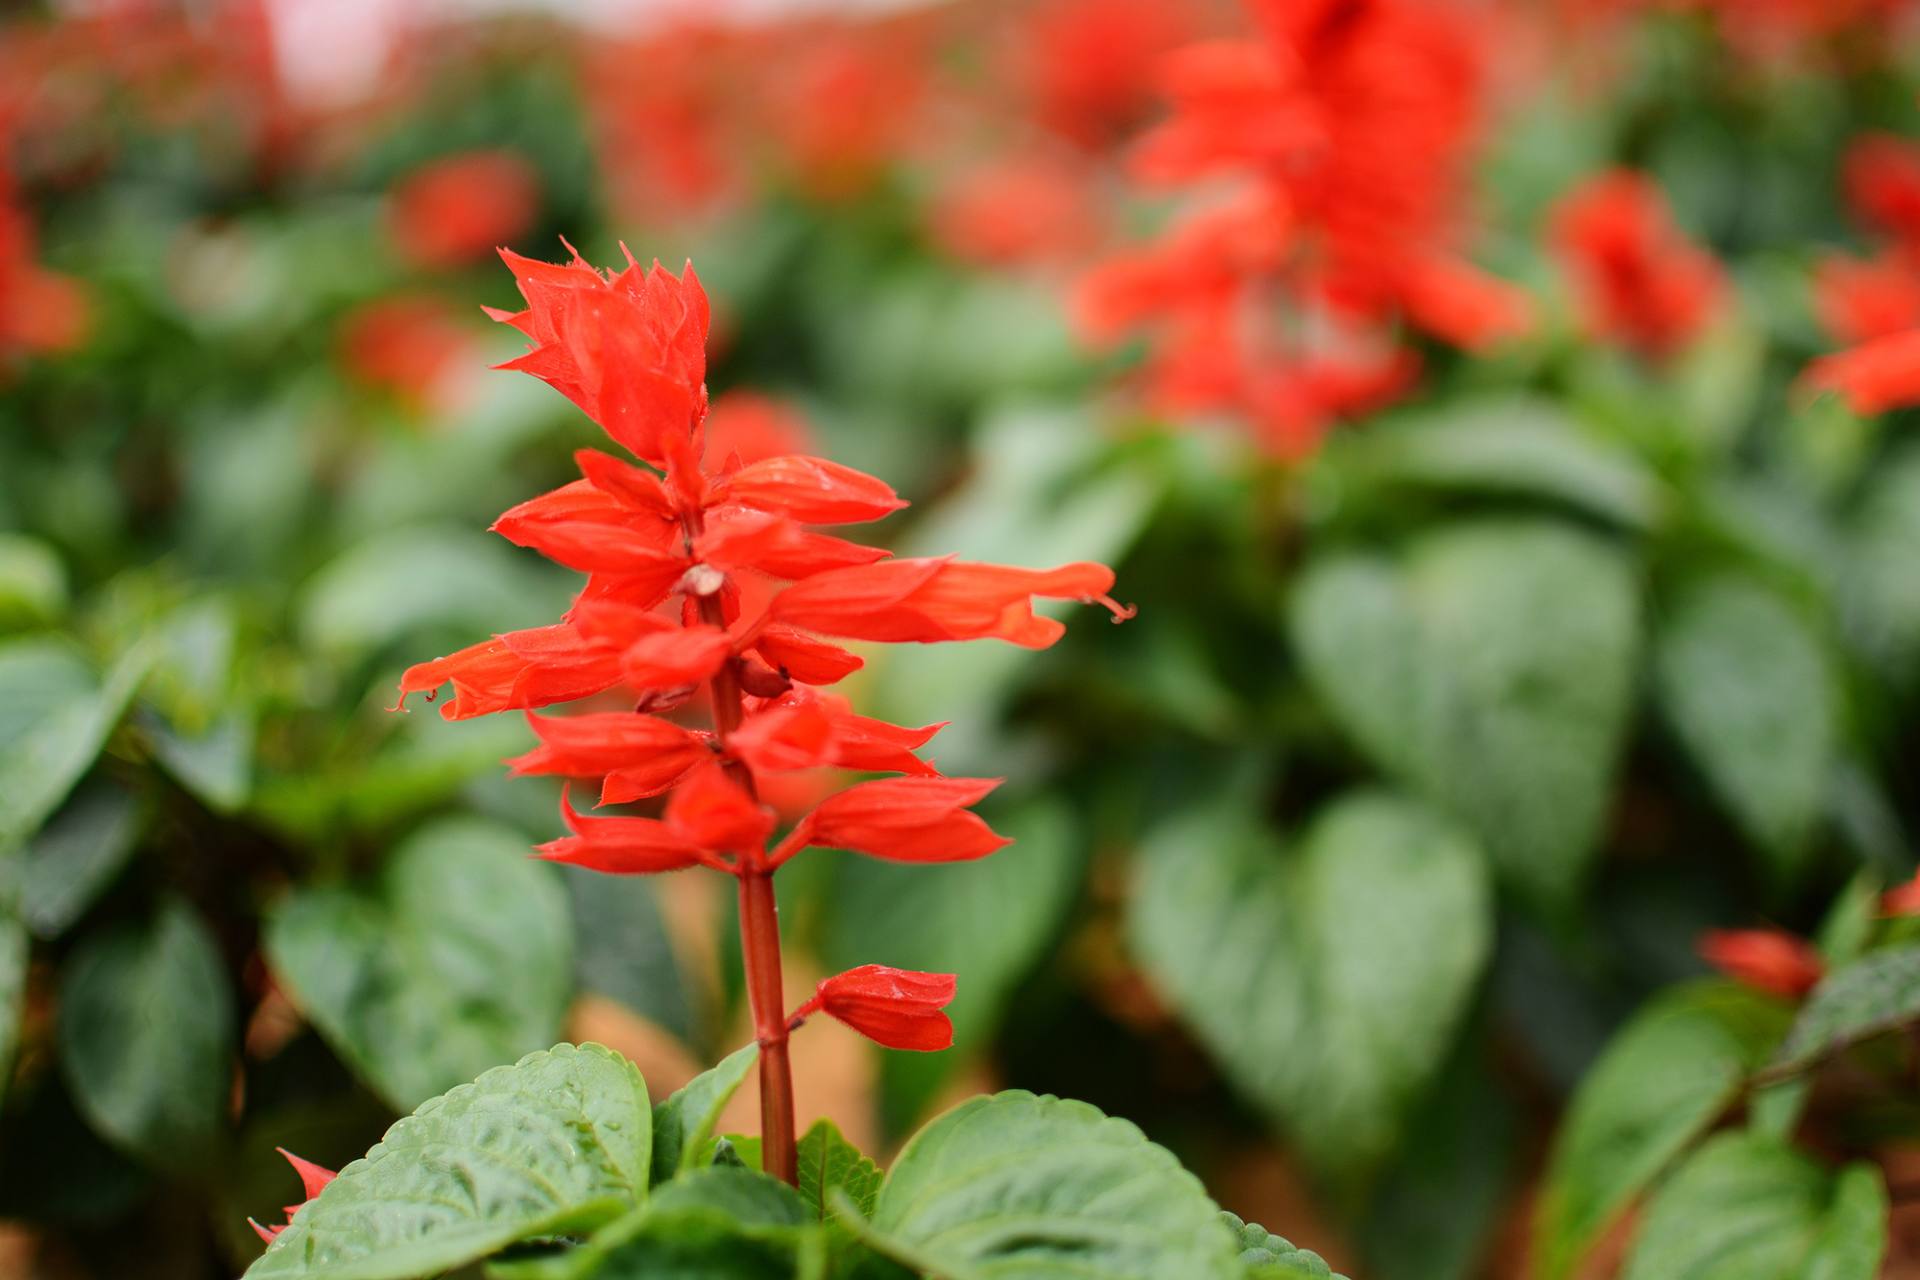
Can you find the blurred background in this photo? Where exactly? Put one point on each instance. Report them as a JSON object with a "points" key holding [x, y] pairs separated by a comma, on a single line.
{"points": [[1495, 409]]}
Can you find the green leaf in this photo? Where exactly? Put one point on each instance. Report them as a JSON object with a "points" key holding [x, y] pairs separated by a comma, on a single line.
{"points": [[55, 715], [215, 764], [14, 945], [1014, 1185], [1266, 1256], [1749, 690], [76, 855], [1749, 1207], [1665, 1077], [1492, 672], [1329, 982], [745, 1195], [1512, 446], [829, 1163], [146, 1036], [1876, 993], [1880, 590], [689, 1242], [556, 1143], [683, 1123], [33, 583], [989, 919], [408, 580], [454, 959]]}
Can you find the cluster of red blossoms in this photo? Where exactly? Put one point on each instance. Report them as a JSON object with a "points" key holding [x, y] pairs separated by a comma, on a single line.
{"points": [[706, 583], [1875, 303], [1345, 128], [1637, 279]]}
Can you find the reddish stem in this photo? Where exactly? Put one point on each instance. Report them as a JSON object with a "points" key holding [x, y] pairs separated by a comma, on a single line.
{"points": [[759, 947]]}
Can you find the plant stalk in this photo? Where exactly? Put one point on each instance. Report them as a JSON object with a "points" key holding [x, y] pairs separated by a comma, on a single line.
{"points": [[759, 950]]}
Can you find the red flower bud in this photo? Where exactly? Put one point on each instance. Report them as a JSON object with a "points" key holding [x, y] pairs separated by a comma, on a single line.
{"points": [[903, 819], [811, 490], [1770, 960], [899, 1008]]}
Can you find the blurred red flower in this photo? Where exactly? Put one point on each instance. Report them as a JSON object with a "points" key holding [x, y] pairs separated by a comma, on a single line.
{"points": [[1638, 279], [461, 208], [1770, 960], [407, 346]]}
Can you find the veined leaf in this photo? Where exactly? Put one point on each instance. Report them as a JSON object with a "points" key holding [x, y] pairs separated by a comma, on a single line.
{"points": [[1492, 672], [1676, 1066], [1329, 982], [829, 1163], [1270, 1257], [1014, 1185], [55, 715], [1875, 993], [560, 1141], [456, 958], [1749, 1207]]}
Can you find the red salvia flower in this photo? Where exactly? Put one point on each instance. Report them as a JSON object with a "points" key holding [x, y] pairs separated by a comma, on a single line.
{"points": [[899, 1008], [313, 1180], [1639, 280], [1770, 960], [707, 577]]}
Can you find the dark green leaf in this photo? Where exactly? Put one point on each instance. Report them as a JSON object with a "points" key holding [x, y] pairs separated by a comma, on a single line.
{"points": [[556, 1143], [683, 1123], [689, 1242], [1661, 1082], [215, 763], [746, 1196], [1875, 993], [1747, 685], [14, 945], [1749, 1207], [829, 1163], [1329, 982], [1506, 446], [76, 855], [1880, 590], [1018, 1185], [1493, 673], [456, 958], [146, 1036], [55, 715]]}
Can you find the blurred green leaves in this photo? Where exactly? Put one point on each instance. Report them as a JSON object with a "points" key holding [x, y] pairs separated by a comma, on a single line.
{"points": [[146, 1036], [1491, 670], [1330, 979], [456, 957]]}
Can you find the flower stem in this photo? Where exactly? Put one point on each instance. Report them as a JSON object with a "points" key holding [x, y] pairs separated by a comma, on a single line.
{"points": [[759, 949]]}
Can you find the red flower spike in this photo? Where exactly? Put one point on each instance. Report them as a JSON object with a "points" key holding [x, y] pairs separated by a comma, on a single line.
{"points": [[313, 1180], [1641, 282], [902, 820], [1770, 960], [811, 490], [621, 846], [608, 744], [899, 1008], [713, 811], [934, 600]]}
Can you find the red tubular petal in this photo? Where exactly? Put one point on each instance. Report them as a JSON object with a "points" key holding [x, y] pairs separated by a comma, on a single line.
{"points": [[899, 1008], [313, 1178], [519, 670], [711, 811], [591, 745], [670, 659], [620, 846], [811, 490], [625, 484], [803, 657], [933, 600], [907, 820], [1769, 960]]}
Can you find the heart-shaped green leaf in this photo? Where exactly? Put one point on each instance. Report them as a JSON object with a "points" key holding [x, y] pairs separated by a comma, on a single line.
{"points": [[454, 959], [1328, 981], [1492, 672], [146, 1036], [1013, 1185], [1747, 1206], [558, 1142], [1663, 1079], [684, 1122], [55, 715], [1749, 690]]}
